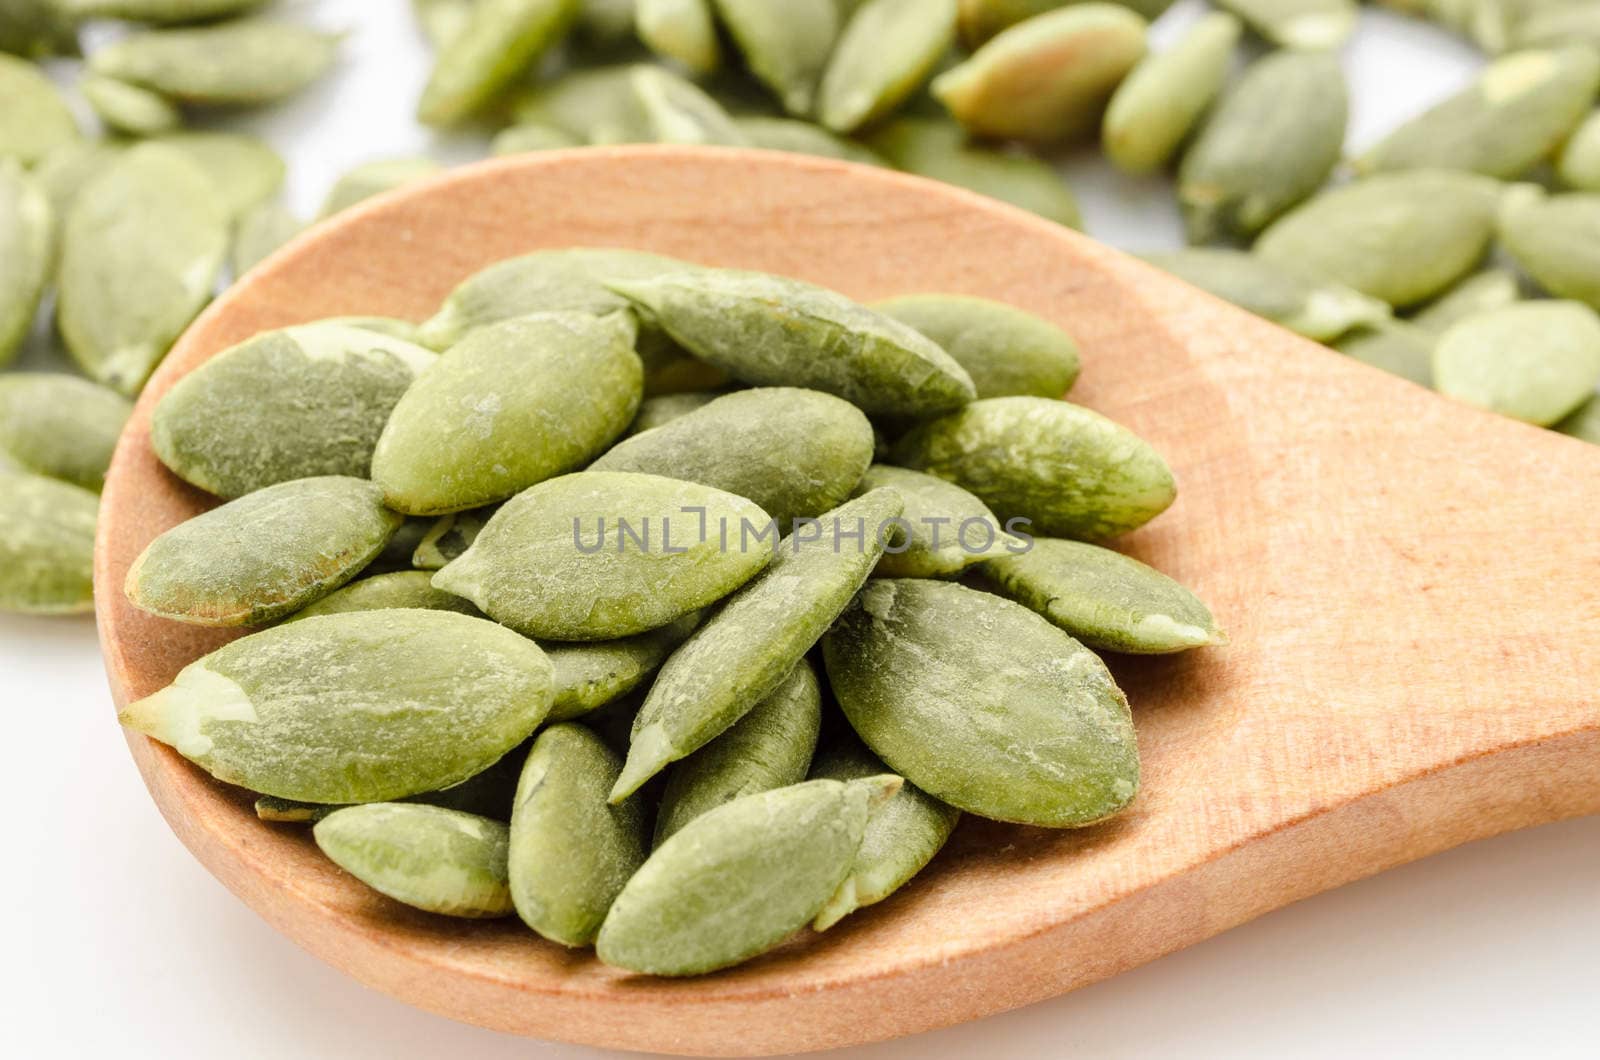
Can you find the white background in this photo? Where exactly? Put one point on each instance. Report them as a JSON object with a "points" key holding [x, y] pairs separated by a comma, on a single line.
{"points": [[119, 944]]}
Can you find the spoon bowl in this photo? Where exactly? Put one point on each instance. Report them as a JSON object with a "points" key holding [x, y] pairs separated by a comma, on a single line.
{"points": [[1409, 586]]}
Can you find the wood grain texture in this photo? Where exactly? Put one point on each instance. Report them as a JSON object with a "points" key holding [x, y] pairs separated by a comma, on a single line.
{"points": [[1409, 586]]}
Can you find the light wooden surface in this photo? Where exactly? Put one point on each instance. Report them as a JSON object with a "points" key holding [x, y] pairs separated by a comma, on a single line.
{"points": [[1409, 586]]}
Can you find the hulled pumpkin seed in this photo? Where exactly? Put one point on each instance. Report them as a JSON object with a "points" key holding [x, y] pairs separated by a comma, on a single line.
{"points": [[260, 231], [750, 645], [604, 554], [60, 426], [27, 232], [571, 852], [287, 404], [1048, 78], [129, 108], [499, 41], [770, 747], [887, 50], [795, 453], [1318, 309], [245, 62], [436, 860], [682, 30], [46, 545], [449, 536], [1005, 350], [983, 704], [1397, 347], [1399, 237], [676, 111], [1585, 423], [1161, 101], [942, 530], [801, 137], [141, 249], [655, 411], [1489, 289], [487, 794], [1534, 361], [1070, 471], [264, 555], [36, 29], [596, 106], [244, 170], [1308, 25], [387, 592], [159, 11], [1510, 119], [35, 119], [530, 136], [1556, 240], [1270, 143], [1578, 164], [588, 676], [510, 405], [360, 707], [374, 178], [776, 856], [785, 45]]}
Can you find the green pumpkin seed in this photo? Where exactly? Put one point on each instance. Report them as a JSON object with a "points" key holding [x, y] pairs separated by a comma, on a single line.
{"points": [[37, 29], [942, 530], [1490, 289], [785, 45], [770, 747], [27, 232], [60, 426], [750, 645], [1395, 346], [520, 139], [360, 707], [511, 405], [774, 331], [46, 545], [1585, 423], [260, 231], [288, 404], [1399, 237], [244, 170], [803, 138], [141, 250], [1048, 78], [1504, 124], [886, 52], [1070, 471], [386, 592], [604, 554], [983, 704], [69, 167], [159, 11], [1556, 240], [900, 839], [776, 856], [684, 31], [1535, 361], [449, 536], [1005, 350], [1315, 308], [263, 556], [1307, 25], [676, 111], [441, 20], [1270, 143], [374, 178], [589, 676], [982, 19], [500, 40], [1558, 22], [1153, 111], [1578, 164], [35, 120], [655, 411], [128, 108], [245, 62], [595, 106], [795, 453], [487, 794], [439, 861], [571, 853]]}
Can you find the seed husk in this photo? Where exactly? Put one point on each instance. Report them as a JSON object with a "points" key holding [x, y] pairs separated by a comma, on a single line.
{"points": [[801, 137], [46, 545], [1005, 350], [555, 561], [1072, 472], [1153, 111], [596, 106], [37, 29], [142, 246], [387, 592], [1315, 308], [674, 110], [374, 178], [1504, 124], [449, 536], [60, 426], [900, 838], [774, 331], [983, 704], [887, 50], [785, 45], [128, 108], [499, 41], [1585, 423], [1578, 164], [1534, 361], [1490, 289], [943, 528], [35, 119], [1046, 79], [684, 31], [361, 707], [1556, 241], [511, 405], [1306, 25], [531, 136], [1396, 346], [589, 676], [571, 852], [160, 12], [487, 794], [259, 231], [770, 747], [27, 233], [795, 453], [245, 62], [437, 860], [1398, 237], [245, 171], [1270, 143], [293, 403], [745, 650], [776, 856]]}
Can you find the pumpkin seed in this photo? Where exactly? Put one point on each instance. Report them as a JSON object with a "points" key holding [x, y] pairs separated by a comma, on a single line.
{"points": [[245, 62], [770, 747], [37, 29], [1270, 143], [46, 545], [1534, 361], [776, 856], [1048, 78], [141, 249], [556, 561], [128, 108], [361, 707], [571, 853], [1395, 346], [1004, 349], [983, 704], [441, 20], [1489, 289], [1317, 309], [158, 11], [374, 178], [1399, 237], [1578, 164], [1308, 25], [386, 592], [60, 426], [287, 404], [801, 137], [510, 405], [487, 794], [1556, 240], [27, 231], [682, 30], [982, 19], [260, 231], [449, 536], [748, 647], [500, 40], [263, 556], [1070, 471], [35, 120], [1555, 23], [530, 136], [70, 166], [675, 111], [244, 170], [942, 530], [597, 106], [1161, 101], [785, 45], [664, 408], [886, 52], [436, 860], [1585, 423], [589, 676]]}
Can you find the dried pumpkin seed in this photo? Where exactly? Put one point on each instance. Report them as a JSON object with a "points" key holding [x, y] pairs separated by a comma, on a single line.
{"points": [[1307, 25], [1395, 346], [801, 137], [1153, 111], [682, 30], [674, 110], [785, 45], [449, 536], [259, 231], [27, 233], [1490, 289], [499, 41], [1556, 240], [37, 29], [530, 136], [46, 545], [244, 170], [1578, 164], [589, 676], [887, 50], [437, 860], [245, 62], [35, 119], [387, 592], [129, 108], [1005, 350], [942, 529], [1534, 361], [158, 11], [60, 426], [1585, 423], [374, 178]]}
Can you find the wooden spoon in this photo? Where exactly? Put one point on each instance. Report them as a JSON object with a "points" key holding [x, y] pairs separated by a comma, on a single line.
{"points": [[1410, 585]]}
